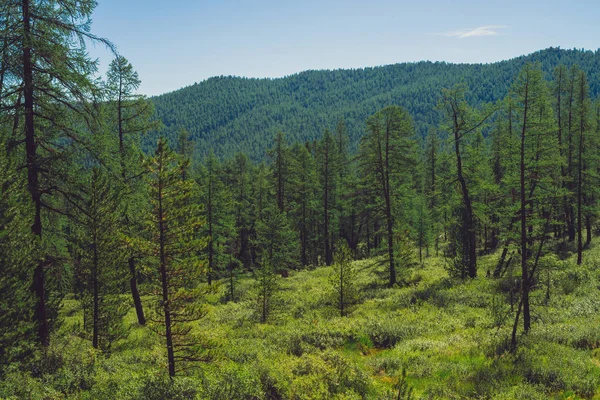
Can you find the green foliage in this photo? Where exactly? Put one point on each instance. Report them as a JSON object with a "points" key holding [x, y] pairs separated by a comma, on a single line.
{"points": [[228, 114], [174, 249], [99, 268], [266, 286], [343, 279]]}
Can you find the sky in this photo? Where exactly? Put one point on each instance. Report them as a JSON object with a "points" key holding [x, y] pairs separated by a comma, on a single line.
{"points": [[177, 43]]}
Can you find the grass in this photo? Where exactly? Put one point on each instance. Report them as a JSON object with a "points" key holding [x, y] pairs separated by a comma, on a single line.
{"points": [[450, 335]]}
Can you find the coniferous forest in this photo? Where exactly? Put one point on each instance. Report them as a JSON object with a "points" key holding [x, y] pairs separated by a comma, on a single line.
{"points": [[423, 230]]}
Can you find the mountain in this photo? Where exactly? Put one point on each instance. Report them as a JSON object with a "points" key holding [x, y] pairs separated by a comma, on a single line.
{"points": [[232, 114]]}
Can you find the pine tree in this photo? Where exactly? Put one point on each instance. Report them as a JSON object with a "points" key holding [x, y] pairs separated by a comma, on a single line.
{"points": [[303, 188], [460, 121], [17, 253], [538, 179], [326, 159], [582, 137], [97, 258], [47, 67], [130, 115], [237, 178], [175, 247], [385, 155], [217, 214], [280, 156], [343, 279], [266, 286]]}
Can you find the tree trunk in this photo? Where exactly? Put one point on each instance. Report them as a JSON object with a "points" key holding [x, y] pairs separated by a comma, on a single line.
{"points": [[523, 216], [468, 223], [95, 295], [390, 244], [38, 286], [135, 294], [165, 285]]}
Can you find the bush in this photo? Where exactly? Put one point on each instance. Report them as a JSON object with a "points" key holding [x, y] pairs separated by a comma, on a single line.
{"points": [[231, 381], [386, 332], [161, 387]]}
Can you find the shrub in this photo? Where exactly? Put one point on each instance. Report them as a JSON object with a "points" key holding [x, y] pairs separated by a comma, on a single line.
{"points": [[160, 387]]}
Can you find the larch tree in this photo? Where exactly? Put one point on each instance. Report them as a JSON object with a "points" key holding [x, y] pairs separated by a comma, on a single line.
{"points": [[47, 70], [326, 160], [130, 115], [175, 247], [218, 215], [582, 132], [97, 257], [303, 187], [280, 156], [537, 180], [460, 121], [386, 152], [343, 279]]}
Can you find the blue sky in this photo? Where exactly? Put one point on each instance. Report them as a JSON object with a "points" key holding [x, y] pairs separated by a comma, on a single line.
{"points": [[176, 43]]}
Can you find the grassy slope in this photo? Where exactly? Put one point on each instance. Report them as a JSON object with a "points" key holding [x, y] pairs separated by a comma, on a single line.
{"points": [[450, 335]]}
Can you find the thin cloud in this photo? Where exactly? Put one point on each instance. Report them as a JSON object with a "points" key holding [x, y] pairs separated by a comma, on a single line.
{"points": [[487, 30]]}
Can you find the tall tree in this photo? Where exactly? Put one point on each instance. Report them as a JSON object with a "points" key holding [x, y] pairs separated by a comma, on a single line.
{"points": [[237, 177], [131, 114], [97, 257], [326, 159], [217, 214], [17, 253], [47, 65], [583, 125], [303, 187], [175, 247], [385, 154], [461, 120], [280, 155], [538, 178]]}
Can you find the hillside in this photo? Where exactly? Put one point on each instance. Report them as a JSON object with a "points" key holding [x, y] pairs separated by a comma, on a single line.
{"points": [[450, 335], [231, 114]]}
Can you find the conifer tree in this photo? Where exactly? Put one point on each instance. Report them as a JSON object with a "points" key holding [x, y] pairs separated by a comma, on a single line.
{"points": [[266, 285], [582, 134], [217, 214], [537, 182], [48, 69], [280, 156], [97, 258], [386, 153], [460, 121], [175, 248], [17, 253], [237, 178], [130, 116], [343, 279], [303, 188], [326, 159]]}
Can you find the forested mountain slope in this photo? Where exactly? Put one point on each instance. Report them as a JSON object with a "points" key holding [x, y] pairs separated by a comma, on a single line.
{"points": [[231, 114]]}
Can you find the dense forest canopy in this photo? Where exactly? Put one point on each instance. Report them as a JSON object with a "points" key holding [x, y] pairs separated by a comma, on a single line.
{"points": [[231, 114]]}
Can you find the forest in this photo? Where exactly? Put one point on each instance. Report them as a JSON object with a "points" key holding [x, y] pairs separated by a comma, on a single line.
{"points": [[434, 246], [228, 115]]}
